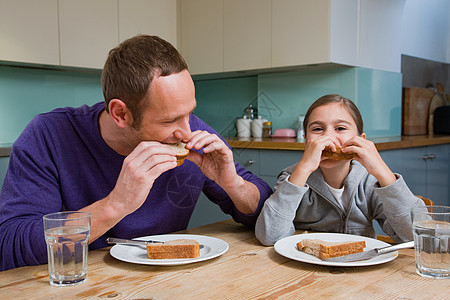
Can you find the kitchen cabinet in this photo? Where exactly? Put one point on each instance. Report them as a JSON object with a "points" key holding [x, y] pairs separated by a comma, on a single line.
{"points": [[247, 34], [79, 33], [29, 31], [154, 17], [225, 35], [202, 35], [232, 35], [88, 30], [425, 170]]}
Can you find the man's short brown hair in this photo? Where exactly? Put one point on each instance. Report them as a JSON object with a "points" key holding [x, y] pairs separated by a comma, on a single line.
{"points": [[131, 67]]}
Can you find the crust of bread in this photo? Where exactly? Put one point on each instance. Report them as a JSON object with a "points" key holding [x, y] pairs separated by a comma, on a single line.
{"points": [[182, 152], [323, 249], [338, 155], [174, 249]]}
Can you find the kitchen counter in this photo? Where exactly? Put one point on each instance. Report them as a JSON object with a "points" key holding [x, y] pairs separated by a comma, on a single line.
{"points": [[5, 149], [384, 143]]}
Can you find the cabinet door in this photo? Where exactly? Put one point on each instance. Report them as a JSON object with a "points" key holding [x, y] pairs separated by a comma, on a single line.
{"points": [[437, 174], [248, 158], [414, 169], [300, 32], [29, 31], [88, 30], [154, 17], [273, 161], [202, 35], [247, 34]]}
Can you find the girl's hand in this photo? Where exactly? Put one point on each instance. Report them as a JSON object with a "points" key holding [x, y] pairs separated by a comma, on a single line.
{"points": [[311, 158], [368, 156]]}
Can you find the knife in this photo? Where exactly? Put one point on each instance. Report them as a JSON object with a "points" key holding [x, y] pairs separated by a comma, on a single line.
{"points": [[134, 242], [370, 253]]}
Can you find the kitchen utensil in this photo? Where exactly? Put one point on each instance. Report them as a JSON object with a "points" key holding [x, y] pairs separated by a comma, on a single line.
{"points": [[416, 102], [371, 253], [251, 112], [284, 133], [134, 242]]}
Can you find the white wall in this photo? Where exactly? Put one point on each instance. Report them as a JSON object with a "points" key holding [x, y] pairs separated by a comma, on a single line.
{"points": [[426, 29]]}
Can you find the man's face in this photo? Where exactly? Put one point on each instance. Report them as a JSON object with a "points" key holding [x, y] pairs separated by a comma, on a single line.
{"points": [[166, 119]]}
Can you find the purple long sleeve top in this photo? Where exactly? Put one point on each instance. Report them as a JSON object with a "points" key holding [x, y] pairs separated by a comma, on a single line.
{"points": [[61, 162]]}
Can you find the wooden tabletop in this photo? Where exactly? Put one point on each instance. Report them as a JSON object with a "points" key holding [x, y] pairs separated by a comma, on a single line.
{"points": [[247, 271], [382, 143]]}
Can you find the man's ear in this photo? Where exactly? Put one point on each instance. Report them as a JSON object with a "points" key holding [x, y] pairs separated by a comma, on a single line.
{"points": [[120, 113]]}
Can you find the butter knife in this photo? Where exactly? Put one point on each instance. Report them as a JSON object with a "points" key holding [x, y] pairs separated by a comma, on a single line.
{"points": [[131, 242], [134, 242], [370, 253]]}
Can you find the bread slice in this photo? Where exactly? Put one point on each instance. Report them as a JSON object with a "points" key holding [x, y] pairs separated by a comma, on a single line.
{"points": [[181, 248], [182, 151], [323, 249], [338, 155]]}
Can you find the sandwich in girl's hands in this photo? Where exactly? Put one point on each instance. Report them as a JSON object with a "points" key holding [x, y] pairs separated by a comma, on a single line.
{"points": [[340, 184]]}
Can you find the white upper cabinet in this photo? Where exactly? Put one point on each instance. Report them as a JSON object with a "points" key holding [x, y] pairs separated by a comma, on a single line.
{"points": [[29, 31], [88, 30], [300, 32], [153, 17], [247, 34], [201, 32]]}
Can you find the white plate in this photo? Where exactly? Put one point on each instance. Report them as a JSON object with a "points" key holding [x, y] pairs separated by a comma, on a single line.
{"points": [[213, 247], [288, 248]]}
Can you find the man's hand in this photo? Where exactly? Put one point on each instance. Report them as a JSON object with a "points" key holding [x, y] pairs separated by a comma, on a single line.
{"points": [[217, 160], [217, 164]]}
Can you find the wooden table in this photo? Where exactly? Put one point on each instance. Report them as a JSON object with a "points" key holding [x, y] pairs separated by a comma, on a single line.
{"points": [[248, 270]]}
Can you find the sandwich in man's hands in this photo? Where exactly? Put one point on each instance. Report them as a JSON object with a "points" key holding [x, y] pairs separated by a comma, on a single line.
{"points": [[182, 151], [338, 155], [323, 249]]}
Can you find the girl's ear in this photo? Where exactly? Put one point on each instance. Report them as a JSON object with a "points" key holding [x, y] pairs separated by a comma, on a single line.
{"points": [[120, 113], [363, 135]]}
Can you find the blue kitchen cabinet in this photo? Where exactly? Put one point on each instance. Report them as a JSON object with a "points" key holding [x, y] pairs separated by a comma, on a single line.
{"points": [[425, 170], [273, 161]]}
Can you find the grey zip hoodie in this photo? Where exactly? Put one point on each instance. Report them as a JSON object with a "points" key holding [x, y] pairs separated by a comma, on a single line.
{"points": [[313, 207]]}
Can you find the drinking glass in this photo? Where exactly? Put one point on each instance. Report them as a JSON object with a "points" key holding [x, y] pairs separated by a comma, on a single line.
{"points": [[67, 237], [431, 229]]}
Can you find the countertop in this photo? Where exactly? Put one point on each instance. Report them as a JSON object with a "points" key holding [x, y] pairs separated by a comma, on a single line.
{"points": [[247, 270], [384, 143]]}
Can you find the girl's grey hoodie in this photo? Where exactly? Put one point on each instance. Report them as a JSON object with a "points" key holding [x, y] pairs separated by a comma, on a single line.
{"points": [[313, 207]]}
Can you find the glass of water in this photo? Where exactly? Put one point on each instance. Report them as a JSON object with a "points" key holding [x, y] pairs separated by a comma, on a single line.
{"points": [[431, 229], [67, 237]]}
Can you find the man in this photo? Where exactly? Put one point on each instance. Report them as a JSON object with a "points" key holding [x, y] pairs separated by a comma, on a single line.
{"points": [[111, 159]]}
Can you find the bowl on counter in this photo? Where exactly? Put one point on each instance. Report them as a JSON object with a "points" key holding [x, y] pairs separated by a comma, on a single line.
{"points": [[284, 133]]}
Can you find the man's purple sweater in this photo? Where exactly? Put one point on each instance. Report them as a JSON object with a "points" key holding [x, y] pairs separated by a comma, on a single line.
{"points": [[60, 162]]}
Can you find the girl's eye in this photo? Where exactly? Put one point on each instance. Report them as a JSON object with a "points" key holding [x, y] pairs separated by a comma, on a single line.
{"points": [[316, 129], [341, 128]]}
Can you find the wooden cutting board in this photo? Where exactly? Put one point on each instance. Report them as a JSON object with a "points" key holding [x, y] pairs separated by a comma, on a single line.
{"points": [[415, 110]]}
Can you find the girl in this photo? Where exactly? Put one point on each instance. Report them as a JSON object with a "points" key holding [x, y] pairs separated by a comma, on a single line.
{"points": [[323, 194]]}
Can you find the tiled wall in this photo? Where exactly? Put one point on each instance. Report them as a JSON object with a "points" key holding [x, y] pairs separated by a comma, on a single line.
{"points": [[25, 92], [281, 97]]}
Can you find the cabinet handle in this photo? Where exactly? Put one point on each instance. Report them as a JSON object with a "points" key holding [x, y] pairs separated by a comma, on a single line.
{"points": [[428, 156], [250, 162]]}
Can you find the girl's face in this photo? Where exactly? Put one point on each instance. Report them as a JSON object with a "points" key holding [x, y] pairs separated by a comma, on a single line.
{"points": [[332, 119]]}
